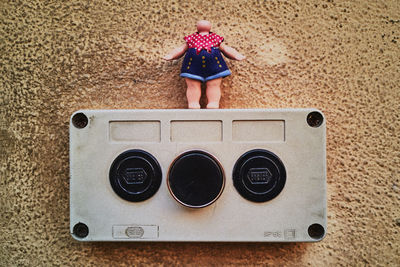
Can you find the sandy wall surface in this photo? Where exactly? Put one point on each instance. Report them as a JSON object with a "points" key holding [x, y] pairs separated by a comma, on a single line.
{"points": [[342, 57]]}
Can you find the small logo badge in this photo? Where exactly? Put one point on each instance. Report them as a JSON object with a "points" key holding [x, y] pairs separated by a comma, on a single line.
{"points": [[134, 231], [259, 175], [290, 234], [134, 175]]}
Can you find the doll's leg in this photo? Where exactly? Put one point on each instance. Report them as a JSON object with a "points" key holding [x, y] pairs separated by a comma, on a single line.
{"points": [[193, 93], [213, 93]]}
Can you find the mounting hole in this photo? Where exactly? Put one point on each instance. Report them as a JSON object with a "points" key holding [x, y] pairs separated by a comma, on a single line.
{"points": [[315, 119], [79, 120], [316, 231], [80, 230]]}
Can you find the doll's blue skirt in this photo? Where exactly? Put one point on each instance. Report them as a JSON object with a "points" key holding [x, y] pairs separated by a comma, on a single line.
{"points": [[204, 66]]}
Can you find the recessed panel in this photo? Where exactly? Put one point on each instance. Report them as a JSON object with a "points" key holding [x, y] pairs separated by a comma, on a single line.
{"points": [[196, 131], [258, 130], [135, 131]]}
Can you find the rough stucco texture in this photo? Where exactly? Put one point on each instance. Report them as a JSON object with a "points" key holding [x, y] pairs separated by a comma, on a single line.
{"points": [[342, 57]]}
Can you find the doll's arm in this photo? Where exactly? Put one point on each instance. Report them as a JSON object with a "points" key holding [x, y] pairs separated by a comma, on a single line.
{"points": [[177, 52], [230, 52]]}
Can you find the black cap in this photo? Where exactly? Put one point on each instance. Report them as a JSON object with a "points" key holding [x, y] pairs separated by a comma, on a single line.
{"points": [[196, 179], [259, 175], [135, 175]]}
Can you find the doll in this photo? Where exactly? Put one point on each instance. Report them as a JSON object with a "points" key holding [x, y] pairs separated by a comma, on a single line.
{"points": [[203, 62]]}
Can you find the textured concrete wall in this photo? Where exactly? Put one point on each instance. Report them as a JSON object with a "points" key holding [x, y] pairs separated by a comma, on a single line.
{"points": [[339, 56]]}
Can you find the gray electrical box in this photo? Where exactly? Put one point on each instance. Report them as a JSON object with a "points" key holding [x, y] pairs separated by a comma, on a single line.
{"points": [[198, 175]]}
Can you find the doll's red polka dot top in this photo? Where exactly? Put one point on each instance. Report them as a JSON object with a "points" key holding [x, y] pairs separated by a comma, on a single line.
{"points": [[205, 42]]}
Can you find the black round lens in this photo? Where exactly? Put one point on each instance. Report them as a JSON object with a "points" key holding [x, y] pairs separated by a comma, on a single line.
{"points": [[259, 175], [196, 179], [135, 175]]}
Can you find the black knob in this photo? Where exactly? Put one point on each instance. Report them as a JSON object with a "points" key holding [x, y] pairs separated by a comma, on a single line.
{"points": [[196, 179], [259, 175], [135, 175]]}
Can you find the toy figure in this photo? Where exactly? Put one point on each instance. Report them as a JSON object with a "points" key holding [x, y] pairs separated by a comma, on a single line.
{"points": [[204, 63]]}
